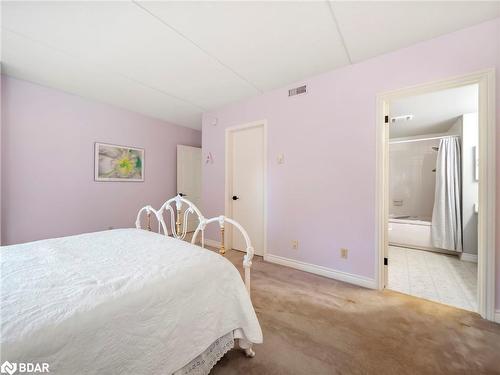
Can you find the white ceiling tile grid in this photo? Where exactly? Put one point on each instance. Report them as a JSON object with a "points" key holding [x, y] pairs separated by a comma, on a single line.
{"points": [[175, 60]]}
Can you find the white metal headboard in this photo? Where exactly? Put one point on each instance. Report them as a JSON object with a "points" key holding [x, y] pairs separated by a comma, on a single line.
{"points": [[148, 209], [222, 220], [180, 233], [179, 230]]}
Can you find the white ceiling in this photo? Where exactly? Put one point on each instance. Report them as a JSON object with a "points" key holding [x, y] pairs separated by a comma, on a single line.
{"points": [[434, 112], [175, 60]]}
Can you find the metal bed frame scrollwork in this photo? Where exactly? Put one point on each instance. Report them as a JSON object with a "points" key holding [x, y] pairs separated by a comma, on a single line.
{"points": [[178, 229], [178, 226], [222, 220]]}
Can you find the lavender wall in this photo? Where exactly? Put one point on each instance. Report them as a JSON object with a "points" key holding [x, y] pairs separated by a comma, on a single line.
{"points": [[48, 159], [324, 194]]}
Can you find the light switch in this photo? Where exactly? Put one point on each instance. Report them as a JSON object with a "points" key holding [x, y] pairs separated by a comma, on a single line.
{"points": [[281, 158]]}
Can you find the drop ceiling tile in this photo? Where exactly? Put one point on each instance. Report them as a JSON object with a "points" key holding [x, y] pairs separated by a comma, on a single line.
{"points": [[177, 59], [270, 43], [122, 37], [374, 28], [56, 69]]}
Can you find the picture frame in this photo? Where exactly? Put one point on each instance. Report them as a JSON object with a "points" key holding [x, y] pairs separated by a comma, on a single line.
{"points": [[117, 163]]}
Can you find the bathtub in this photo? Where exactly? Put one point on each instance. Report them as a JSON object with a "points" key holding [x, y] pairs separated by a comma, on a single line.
{"points": [[411, 231]]}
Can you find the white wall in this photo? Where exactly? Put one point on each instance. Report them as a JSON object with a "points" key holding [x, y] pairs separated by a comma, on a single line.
{"points": [[470, 187], [411, 178], [456, 128], [467, 128]]}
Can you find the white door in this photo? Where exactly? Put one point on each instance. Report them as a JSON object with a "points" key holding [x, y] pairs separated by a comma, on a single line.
{"points": [[247, 185], [189, 178]]}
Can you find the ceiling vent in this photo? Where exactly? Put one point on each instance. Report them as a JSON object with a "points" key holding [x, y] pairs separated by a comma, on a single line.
{"points": [[297, 91]]}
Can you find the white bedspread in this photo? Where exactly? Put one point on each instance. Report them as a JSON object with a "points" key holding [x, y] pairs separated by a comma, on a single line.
{"points": [[124, 301]]}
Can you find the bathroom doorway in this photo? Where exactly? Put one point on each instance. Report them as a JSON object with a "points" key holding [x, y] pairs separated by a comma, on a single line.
{"points": [[433, 196], [435, 241]]}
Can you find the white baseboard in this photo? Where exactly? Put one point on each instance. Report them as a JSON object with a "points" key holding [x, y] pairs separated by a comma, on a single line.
{"points": [[497, 316], [322, 271], [466, 257]]}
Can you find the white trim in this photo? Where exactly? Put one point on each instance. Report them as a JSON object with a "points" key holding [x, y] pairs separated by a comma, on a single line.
{"points": [[466, 257], [486, 216], [228, 178], [322, 271], [497, 316]]}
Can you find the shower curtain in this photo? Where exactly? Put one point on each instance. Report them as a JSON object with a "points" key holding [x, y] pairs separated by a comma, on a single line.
{"points": [[447, 212]]}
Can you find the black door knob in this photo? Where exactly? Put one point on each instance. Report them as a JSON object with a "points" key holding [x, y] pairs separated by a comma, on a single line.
{"points": [[235, 198]]}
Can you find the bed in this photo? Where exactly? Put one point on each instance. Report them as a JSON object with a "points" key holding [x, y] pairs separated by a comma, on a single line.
{"points": [[123, 301]]}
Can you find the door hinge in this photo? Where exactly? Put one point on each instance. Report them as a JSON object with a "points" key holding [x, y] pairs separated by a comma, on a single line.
{"points": [[386, 119], [386, 261]]}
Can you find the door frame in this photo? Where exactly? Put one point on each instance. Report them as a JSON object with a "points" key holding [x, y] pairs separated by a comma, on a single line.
{"points": [[229, 131], [487, 175]]}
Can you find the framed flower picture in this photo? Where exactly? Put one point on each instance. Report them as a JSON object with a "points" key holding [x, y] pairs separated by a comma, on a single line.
{"points": [[118, 163]]}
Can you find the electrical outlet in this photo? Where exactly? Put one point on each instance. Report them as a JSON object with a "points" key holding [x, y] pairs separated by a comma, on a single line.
{"points": [[295, 244], [344, 252]]}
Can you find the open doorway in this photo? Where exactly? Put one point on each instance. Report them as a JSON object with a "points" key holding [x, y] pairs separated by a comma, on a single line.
{"points": [[428, 243], [433, 196]]}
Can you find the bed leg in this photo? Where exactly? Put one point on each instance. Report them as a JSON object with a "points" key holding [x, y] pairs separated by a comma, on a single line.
{"points": [[246, 346], [249, 352]]}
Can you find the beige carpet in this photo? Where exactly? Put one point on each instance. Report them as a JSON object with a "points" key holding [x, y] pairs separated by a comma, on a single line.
{"points": [[314, 325]]}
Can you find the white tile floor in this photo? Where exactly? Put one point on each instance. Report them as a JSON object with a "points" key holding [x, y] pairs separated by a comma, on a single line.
{"points": [[433, 276]]}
